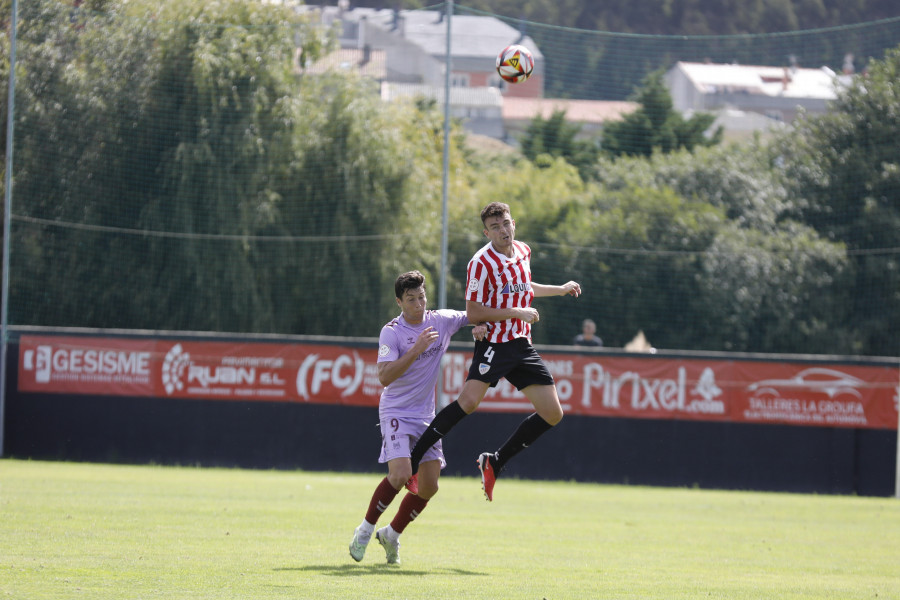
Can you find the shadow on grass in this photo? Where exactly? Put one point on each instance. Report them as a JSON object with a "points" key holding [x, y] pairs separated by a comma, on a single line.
{"points": [[380, 569]]}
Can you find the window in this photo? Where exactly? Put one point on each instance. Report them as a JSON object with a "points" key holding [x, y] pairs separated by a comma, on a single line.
{"points": [[459, 80]]}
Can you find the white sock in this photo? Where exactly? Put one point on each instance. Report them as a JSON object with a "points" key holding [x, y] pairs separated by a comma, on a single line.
{"points": [[365, 530], [391, 533]]}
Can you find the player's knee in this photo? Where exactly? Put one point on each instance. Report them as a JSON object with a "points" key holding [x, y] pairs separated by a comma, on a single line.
{"points": [[472, 393], [467, 404], [553, 417], [428, 489], [399, 477]]}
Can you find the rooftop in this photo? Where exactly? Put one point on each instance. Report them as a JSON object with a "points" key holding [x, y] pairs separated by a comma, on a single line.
{"points": [[371, 64], [581, 111], [473, 36], [791, 82], [459, 96]]}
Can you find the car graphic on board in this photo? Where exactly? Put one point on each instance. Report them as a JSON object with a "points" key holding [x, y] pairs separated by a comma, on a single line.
{"points": [[816, 379]]}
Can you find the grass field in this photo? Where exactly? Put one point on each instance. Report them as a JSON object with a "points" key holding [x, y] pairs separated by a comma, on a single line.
{"points": [[102, 531]]}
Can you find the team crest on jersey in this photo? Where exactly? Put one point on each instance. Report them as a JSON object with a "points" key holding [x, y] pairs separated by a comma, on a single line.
{"points": [[384, 350], [516, 288], [473, 285], [483, 368]]}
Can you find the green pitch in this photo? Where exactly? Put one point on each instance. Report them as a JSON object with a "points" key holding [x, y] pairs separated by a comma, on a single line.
{"points": [[100, 531]]}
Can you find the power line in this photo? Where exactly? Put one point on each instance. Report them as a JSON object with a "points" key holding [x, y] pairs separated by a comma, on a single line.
{"points": [[206, 236]]}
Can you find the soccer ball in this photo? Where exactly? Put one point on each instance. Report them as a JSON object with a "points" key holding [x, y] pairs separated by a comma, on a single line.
{"points": [[515, 63]]}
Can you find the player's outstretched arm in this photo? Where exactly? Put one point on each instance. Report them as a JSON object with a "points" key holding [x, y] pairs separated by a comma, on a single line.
{"points": [[567, 289]]}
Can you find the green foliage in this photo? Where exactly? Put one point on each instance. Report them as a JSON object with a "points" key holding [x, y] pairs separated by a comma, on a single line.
{"points": [[187, 122], [71, 105], [656, 126], [692, 248], [737, 179], [228, 88], [639, 251], [762, 281], [174, 171], [784, 291], [362, 179], [843, 172], [178, 114], [558, 138]]}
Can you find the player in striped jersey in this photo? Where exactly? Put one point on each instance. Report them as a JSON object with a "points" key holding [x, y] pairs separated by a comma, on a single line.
{"points": [[410, 348], [499, 292]]}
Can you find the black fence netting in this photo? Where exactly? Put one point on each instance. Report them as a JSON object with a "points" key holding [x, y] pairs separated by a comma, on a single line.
{"points": [[175, 167]]}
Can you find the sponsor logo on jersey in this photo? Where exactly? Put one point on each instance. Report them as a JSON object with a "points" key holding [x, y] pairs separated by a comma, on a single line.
{"points": [[516, 288], [384, 350], [473, 285]]}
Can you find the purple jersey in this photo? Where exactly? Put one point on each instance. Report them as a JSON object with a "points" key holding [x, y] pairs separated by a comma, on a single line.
{"points": [[412, 394]]}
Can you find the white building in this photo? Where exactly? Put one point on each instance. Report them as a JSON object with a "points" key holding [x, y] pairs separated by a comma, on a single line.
{"points": [[777, 93]]}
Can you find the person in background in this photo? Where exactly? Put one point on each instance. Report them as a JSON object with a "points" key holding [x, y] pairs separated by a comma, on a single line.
{"points": [[588, 336]]}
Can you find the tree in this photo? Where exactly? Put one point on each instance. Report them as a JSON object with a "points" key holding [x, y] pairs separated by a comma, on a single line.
{"points": [[170, 119], [749, 280], [361, 201], [174, 173], [782, 291], [656, 126], [558, 138], [638, 253], [218, 126], [842, 171]]}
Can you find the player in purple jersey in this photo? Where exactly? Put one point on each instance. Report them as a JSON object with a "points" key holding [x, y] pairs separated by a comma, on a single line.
{"points": [[410, 348]]}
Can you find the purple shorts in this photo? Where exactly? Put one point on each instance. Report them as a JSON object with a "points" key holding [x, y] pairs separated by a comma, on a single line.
{"points": [[399, 435]]}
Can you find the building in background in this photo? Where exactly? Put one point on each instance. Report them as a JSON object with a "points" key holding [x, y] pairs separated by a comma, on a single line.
{"points": [[365, 62], [405, 51], [415, 45], [590, 115], [749, 98], [480, 109]]}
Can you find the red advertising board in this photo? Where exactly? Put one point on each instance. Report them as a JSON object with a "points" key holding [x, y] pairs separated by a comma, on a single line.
{"points": [[207, 370], [798, 393]]}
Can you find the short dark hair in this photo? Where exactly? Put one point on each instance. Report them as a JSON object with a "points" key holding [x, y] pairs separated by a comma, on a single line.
{"points": [[408, 281], [494, 209]]}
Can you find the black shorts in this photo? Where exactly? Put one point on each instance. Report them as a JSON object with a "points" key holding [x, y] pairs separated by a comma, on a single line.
{"points": [[516, 360]]}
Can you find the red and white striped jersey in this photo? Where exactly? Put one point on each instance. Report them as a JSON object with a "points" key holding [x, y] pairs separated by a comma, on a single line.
{"points": [[500, 282]]}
